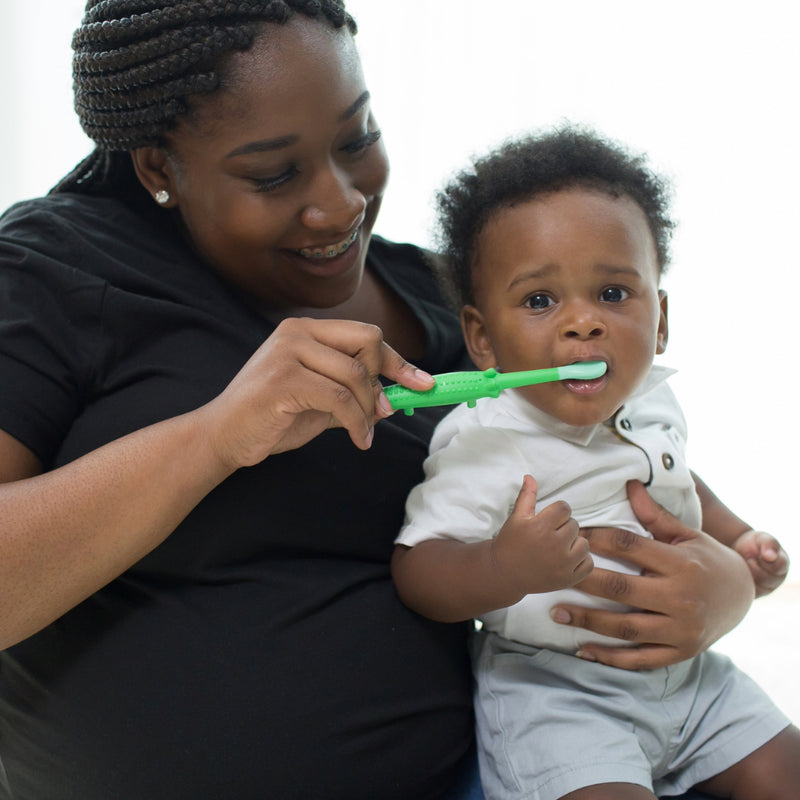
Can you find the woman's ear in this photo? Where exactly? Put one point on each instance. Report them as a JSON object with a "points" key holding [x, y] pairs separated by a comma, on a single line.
{"points": [[153, 170], [663, 326], [476, 337]]}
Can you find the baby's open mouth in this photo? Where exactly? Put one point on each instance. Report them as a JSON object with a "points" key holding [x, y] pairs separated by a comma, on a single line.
{"points": [[329, 250]]}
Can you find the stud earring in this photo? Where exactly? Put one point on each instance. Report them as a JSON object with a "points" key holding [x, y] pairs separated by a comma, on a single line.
{"points": [[161, 197]]}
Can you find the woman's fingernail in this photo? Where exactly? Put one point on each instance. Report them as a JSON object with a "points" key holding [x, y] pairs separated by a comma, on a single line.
{"points": [[561, 616], [385, 406], [585, 656], [423, 376]]}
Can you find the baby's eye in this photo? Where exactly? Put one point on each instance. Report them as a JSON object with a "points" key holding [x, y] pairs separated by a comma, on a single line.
{"points": [[613, 294], [539, 302]]}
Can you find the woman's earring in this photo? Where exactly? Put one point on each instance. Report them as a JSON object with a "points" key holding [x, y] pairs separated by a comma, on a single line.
{"points": [[162, 197]]}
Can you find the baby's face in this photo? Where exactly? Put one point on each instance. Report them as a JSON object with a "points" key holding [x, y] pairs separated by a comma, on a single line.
{"points": [[569, 276]]}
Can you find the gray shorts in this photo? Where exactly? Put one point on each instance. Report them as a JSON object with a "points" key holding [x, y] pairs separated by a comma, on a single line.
{"points": [[550, 723]]}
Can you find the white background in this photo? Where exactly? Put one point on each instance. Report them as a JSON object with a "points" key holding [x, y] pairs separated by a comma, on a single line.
{"points": [[708, 89]]}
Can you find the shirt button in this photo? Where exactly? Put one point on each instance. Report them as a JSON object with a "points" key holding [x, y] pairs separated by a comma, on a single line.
{"points": [[625, 424], [668, 461]]}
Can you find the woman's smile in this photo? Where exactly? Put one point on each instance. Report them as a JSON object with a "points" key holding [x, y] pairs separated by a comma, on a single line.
{"points": [[329, 251]]}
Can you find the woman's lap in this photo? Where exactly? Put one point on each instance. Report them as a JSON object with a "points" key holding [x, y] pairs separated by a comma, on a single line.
{"points": [[468, 787]]}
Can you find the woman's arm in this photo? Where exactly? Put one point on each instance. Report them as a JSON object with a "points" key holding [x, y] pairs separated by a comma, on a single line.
{"points": [[692, 590], [68, 532]]}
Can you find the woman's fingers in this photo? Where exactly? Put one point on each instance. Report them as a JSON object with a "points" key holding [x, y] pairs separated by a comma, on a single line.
{"points": [[649, 555], [651, 637], [690, 591], [648, 656], [354, 355], [397, 369], [309, 375]]}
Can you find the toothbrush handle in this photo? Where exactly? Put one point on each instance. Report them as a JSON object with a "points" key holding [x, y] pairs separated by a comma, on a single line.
{"points": [[450, 388], [467, 387]]}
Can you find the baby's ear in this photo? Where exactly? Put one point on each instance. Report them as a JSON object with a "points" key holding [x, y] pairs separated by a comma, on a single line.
{"points": [[476, 338], [663, 324]]}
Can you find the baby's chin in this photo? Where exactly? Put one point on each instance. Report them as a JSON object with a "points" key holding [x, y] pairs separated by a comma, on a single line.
{"points": [[580, 415], [583, 420]]}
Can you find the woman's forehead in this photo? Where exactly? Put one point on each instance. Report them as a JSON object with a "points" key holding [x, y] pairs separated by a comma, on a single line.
{"points": [[286, 64]]}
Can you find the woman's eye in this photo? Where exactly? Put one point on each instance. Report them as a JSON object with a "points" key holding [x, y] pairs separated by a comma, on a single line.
{"points": [[539, 302], [363, 143], [613, 294], [275, 181]]}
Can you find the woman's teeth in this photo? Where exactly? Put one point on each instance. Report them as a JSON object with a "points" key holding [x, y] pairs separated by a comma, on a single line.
{"points": [[329, 251]]}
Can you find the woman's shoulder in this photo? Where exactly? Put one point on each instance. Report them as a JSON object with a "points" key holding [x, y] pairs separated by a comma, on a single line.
{"points": [[62, 209], [414, 267], [63, 220], [66, 239], [412, 272]]}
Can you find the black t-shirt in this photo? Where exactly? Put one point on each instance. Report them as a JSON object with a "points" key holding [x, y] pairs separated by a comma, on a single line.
{"points": [[260, 651]]}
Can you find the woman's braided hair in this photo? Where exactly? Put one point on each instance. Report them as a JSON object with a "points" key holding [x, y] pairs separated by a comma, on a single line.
{"points": [[137, 62]]}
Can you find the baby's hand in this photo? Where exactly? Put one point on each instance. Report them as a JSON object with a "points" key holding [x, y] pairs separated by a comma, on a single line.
{"points": [[767, 560], [541, 552]]}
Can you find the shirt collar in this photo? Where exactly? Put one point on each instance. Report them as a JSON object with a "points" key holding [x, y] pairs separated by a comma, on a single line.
{"points": [[520, 409]]}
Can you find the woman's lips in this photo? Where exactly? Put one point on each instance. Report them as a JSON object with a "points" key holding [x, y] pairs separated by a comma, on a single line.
{"points": [[329, 250]]}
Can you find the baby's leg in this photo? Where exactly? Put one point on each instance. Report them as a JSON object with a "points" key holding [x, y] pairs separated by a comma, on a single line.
{"points": [[611, 791], [770, 773]]}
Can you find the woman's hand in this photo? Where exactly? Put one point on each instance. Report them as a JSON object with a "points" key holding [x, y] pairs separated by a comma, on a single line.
{"points": [[692, 590], [308, 376]]}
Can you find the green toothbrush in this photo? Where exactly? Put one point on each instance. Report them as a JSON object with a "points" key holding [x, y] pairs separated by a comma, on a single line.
{"points": [[467, 387]]}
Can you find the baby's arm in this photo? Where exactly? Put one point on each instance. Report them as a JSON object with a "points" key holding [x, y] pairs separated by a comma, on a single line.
{"points": [[767, 560], [450, 581]]}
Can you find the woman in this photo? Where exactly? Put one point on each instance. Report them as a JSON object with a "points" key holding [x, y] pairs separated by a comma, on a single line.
{"points": [[202, 480]]}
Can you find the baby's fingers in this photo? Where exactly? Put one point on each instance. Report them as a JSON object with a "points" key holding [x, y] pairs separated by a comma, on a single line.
{"points": [[766, 578], [525, 504], [771, 555]]}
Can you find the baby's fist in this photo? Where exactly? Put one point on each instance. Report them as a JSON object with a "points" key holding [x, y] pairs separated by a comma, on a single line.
{"points": [[768, 561]]}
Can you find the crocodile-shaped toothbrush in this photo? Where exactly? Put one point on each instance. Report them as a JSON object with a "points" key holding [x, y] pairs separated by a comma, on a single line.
{"points": [[467, 387]]}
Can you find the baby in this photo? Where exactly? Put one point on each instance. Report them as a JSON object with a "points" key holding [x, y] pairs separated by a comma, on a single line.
{"points": [[556, 246]]}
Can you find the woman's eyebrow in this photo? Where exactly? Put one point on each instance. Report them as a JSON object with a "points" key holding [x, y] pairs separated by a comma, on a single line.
{"points": [[352, 110], [263, 146], [266, 145]]}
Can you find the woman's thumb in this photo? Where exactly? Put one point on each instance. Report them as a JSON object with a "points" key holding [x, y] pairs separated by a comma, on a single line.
{"points": [[654, 517]]}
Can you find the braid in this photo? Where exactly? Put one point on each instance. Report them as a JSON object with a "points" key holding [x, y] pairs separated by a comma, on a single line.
{"points": [[137, 62]]}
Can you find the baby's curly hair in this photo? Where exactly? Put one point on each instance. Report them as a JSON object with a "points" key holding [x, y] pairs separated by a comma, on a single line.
{"points": [[522, 169]]}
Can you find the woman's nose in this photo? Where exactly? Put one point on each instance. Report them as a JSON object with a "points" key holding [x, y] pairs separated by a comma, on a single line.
{"points": [[334, 203]]}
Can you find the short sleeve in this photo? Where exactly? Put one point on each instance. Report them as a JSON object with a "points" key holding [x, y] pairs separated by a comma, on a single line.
{"points": [[470, 487], [43, 359]]}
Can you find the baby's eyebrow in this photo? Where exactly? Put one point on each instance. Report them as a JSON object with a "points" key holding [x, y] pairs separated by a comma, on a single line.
{"points": [[615, 269], [534, 274]]}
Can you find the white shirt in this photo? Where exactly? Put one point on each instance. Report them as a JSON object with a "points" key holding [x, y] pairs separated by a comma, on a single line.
{"points": [[479, 455]]}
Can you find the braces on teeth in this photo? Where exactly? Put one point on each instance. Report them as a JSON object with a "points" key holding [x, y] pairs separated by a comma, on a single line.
{"points": [[332, 251]]}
